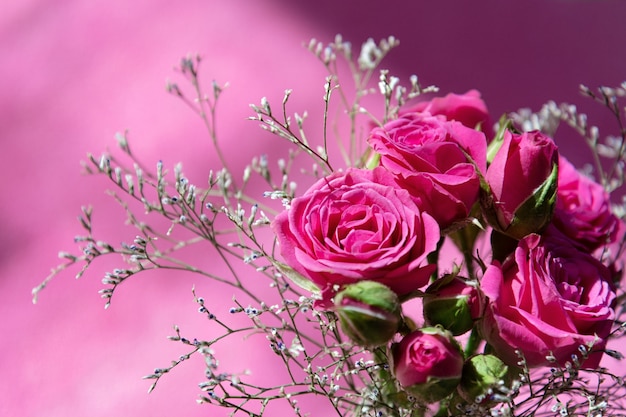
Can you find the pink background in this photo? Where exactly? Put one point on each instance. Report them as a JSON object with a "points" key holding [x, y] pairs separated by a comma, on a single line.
{"points": [[74, 72]]}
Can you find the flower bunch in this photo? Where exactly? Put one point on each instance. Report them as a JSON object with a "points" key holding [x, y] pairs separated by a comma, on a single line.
{"points": [[472, 264], [545, 294]]}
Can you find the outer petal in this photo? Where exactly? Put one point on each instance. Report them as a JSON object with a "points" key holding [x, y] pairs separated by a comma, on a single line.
{"points": [[468, 109]]}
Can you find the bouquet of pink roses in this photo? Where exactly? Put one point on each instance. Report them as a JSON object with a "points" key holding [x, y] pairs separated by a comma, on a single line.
{"points": [[474, 266]]}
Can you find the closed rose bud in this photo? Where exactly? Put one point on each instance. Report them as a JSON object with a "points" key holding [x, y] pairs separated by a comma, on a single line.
{"points": [[369, 313], [453, 303], [485, 379], [428, 363], [521, 184]]}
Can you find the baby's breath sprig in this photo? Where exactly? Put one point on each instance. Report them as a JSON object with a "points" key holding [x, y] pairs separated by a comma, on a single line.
{"points": [[281, 126], [194, 215], [362, 69], [314, 368], [614, 147], [568, 389], [397, 95], [203, 104], [608, 153]]}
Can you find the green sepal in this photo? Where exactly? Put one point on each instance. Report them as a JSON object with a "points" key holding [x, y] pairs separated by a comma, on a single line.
{"points": [[434, 389], [504, 124], [534, 214], [297, 278], [373, 160], [484, 375], [452, 313]]}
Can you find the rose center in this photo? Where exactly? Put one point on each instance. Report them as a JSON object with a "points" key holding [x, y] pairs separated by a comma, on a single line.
{"points": [[361, 229], [570, 282], [425, 354]]}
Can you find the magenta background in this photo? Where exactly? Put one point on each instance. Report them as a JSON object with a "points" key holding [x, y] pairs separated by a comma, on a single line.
{"points": [[73, 73]]}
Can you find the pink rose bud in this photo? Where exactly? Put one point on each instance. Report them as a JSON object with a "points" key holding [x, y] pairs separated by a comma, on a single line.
{"points": [[369, 313], [453, 303], [521, 188], [428, 364]]}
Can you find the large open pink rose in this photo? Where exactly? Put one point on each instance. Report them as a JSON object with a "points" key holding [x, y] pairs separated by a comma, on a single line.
{"points": [[468, 109], [583, 210], [355, 226], [436, 160], [547, 298]]}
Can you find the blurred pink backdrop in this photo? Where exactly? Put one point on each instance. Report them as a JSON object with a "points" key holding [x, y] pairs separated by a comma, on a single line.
{"points": [[75, 72]]}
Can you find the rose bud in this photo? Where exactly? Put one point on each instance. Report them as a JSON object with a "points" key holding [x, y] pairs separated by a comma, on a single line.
{"points": [[453, 303], [485, 379], [521, 184], [369, 313], [428, 363]]}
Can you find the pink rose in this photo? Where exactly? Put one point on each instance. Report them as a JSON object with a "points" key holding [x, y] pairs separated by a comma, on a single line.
{"points": [[547, 298], [583, 211], [522, 181], [428, 363], [468, 109], [429, 157], [356, 226]]}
